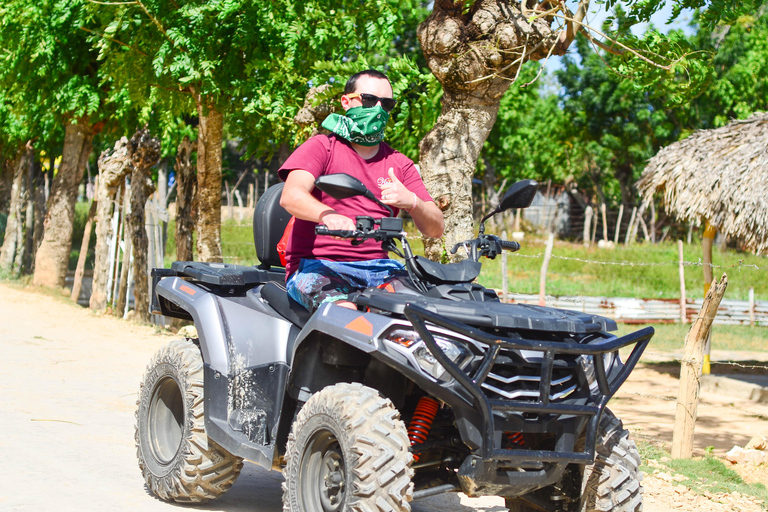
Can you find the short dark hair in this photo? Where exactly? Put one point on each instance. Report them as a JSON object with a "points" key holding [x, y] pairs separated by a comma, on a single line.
{"points": [[352, 82]]}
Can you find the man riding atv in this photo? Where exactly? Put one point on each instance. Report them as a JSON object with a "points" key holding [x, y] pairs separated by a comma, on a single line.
{"points": [[324, 269], [425, 383]]}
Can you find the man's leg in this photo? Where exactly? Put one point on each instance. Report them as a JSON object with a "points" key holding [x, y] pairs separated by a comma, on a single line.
{"points": [[319, 281], [316, 283]]}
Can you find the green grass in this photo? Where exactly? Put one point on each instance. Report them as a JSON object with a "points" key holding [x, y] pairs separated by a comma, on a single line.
{"points": [[705, 474], [236, 243], [671, 337], [639, 270]]}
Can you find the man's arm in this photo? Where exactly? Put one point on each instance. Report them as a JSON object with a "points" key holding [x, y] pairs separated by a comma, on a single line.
{"points": [[298, 200], [428, 218], [426, 215]]}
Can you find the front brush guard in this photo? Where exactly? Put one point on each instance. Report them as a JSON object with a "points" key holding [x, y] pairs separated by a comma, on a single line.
{"points": [[606, 387]]}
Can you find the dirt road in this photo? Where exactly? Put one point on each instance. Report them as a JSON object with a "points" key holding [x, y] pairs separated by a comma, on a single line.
{"points": [[69, 382]]}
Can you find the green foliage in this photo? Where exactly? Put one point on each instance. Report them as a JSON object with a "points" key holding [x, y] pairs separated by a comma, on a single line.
{"points": [[254, 60], [740, 66], [714, 12], [529, 139]]}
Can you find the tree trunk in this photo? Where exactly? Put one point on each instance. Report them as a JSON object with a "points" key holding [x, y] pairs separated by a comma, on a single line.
{"points": [[209, 182], [186, 186], [475, 56], [38, 228], [13, 242], [53, 255], [145, 152], [114, 166]]}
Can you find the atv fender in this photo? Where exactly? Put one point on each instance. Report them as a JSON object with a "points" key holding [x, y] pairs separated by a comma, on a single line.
{"points": [[230, 325], [245, 348]]}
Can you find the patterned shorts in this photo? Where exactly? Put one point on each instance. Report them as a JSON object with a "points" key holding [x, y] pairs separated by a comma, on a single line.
{"points": [[319, 281]]}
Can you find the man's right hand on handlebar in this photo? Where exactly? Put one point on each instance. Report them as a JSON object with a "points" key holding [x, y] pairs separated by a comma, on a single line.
{"points": [[335, 221]]}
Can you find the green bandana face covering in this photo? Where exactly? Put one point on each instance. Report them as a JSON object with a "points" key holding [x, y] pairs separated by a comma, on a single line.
{"points": [[364, 126]]}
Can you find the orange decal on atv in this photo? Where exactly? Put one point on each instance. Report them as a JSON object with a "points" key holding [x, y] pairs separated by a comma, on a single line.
{"points": [[361, 325], [388, 287], [186, 289]]}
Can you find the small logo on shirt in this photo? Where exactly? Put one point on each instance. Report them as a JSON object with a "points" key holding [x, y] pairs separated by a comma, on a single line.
{"points": [[381, 181]]}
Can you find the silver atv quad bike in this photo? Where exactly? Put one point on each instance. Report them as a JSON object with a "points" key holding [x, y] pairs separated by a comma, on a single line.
{"points": [[432, 385]]}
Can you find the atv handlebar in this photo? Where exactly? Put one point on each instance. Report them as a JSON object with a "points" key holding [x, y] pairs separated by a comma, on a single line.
{"points": [[508, 245], [341, 233], [486, 245]]}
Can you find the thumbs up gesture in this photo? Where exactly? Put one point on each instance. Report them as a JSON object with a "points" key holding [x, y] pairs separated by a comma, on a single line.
{"points": [[394, 193]]}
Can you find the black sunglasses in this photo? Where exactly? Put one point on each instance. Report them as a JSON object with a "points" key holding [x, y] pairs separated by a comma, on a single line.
{"points": [[369, 100]]}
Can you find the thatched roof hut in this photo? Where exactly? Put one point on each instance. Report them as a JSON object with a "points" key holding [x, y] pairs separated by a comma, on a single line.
{"points": [[719, 176]]}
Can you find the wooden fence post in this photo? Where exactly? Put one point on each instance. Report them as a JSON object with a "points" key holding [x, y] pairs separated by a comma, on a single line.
{"points": [[628, 237], [683, 318], [587, 220], [77, 284], [605, 222], [707, 241], [543, 274], [618, 225], [751, 307], [691, 370], [504, 279]]}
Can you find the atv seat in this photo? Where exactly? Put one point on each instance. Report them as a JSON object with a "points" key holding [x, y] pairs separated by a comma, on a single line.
{"points": [[277, 297], [269, 222]]}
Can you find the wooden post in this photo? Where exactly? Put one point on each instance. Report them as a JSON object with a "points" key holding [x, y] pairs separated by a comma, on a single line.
{"points": [[706, 244], [681, 267], [504, 279], [618, 225], [594, 227], [690, 372], [628, 237], [543, 274], [645, 229], [605, 222], [587, 220], [751, 307], [77, 284], [251, 197]]}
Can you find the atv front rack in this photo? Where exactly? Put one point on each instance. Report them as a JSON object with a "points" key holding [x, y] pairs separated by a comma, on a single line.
{"points": [[589, 407]]}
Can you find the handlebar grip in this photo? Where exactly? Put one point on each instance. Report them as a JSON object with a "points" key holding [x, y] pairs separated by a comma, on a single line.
{"points": [[343, 233], [508, 245]]}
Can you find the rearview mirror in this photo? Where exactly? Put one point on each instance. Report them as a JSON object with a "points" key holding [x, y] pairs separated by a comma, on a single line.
{"points": [[341, 186], [519, 195]]}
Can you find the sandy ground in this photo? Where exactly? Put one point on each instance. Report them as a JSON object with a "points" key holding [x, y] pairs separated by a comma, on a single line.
{"points": [[69, 383]]}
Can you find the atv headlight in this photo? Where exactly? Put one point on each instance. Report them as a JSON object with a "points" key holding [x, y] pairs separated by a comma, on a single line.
{"points": [[588, 365], [410, 343]]}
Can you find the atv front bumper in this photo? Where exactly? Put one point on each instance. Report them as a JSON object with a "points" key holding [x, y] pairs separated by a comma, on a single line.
{"points": [[484, 413]]}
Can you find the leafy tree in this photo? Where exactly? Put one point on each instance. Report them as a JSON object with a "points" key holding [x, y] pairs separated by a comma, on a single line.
{"points": [[238, 62], [530, 137], [740, 66], [618, 124], [47, 67]]}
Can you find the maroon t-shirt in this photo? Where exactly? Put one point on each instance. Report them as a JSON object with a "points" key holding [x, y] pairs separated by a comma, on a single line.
{"points": [[328, 154]]}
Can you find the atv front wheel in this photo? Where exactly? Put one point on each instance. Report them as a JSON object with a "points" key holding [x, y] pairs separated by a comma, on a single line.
{"points": [[348, 450], [611, 483], [178, 461]]}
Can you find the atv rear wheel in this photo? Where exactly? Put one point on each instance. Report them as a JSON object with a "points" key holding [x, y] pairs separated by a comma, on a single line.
{"points": [[611, 483], [178, 461], [348, 450]]}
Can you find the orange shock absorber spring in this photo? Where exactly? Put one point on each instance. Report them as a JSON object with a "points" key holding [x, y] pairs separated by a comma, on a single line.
{"points": [[515, 438], [422, 420]]}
